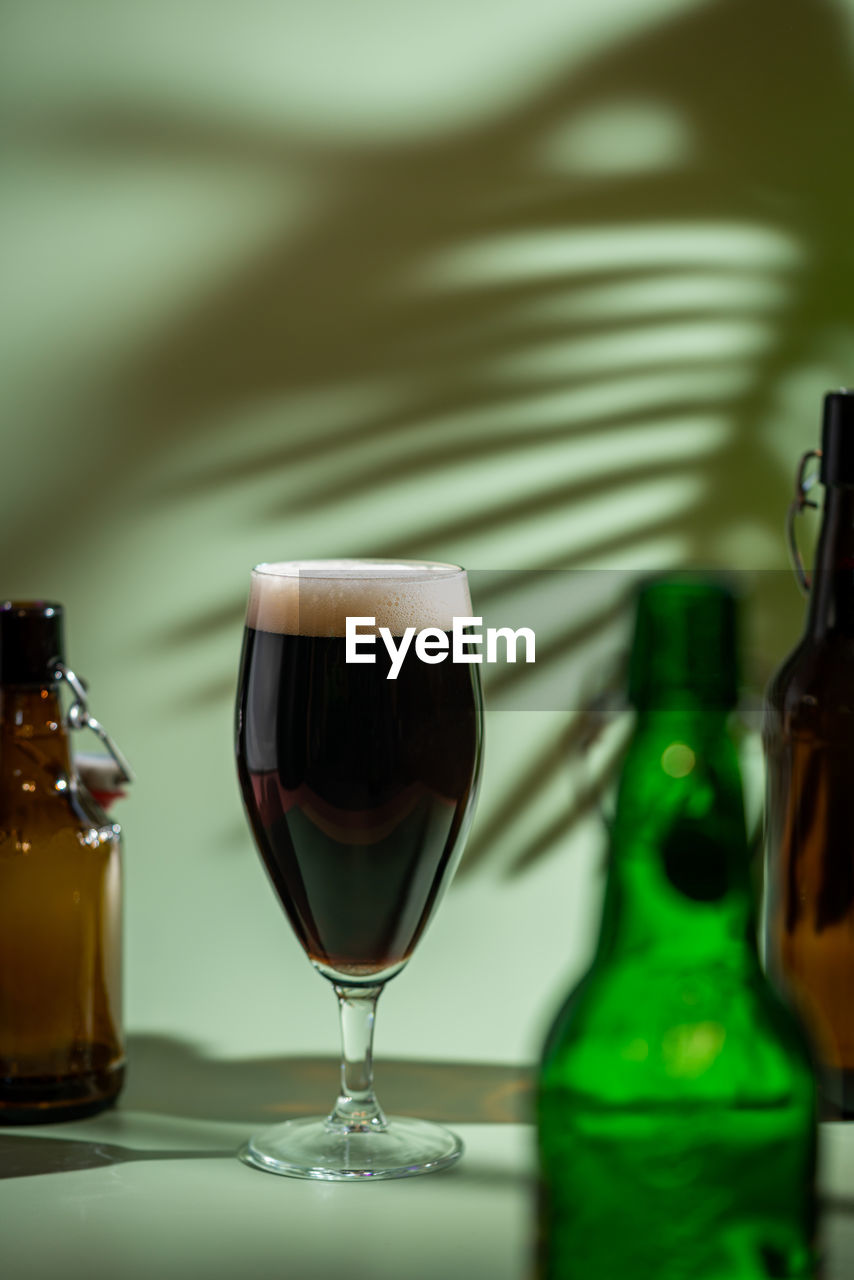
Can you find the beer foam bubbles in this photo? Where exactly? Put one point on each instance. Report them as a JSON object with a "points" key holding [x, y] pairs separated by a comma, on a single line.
{"points": [[315, 597]]}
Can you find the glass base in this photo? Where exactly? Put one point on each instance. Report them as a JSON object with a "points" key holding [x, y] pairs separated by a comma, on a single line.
{"points": [[312, 1148]]}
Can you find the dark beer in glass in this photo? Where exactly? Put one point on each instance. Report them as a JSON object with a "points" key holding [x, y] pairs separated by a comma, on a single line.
{"points": [[359, 789]]}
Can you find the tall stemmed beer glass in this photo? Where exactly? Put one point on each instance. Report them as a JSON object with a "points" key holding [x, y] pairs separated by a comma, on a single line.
{"points": [[359, 789]]}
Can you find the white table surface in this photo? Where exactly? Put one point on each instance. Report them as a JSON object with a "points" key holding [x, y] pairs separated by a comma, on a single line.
{"points": [[135, 1194]]}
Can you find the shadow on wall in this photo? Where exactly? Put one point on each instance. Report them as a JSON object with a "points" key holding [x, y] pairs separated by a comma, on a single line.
{"points": [[569, 316]]}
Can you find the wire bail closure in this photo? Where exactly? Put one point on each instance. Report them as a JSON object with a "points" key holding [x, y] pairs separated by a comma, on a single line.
{"points": [[803, 484], [80, 717]]}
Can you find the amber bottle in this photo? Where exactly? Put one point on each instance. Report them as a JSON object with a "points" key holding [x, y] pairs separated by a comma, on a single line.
{"points": [[61, 1054], [808, 733]]}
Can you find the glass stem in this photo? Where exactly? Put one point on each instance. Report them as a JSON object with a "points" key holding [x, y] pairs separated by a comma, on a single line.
{"points": [[357, 1109]]}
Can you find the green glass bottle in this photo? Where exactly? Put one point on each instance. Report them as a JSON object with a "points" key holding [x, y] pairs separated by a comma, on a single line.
{"points": [[676, 1105]]}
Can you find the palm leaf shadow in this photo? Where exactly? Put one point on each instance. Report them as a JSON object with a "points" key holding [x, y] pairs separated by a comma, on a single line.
{"points": [[336, 306]]}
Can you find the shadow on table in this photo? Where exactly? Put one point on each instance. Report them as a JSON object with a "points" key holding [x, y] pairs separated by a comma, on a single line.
{"points": [[171, 1077], [26, 1155], [840, 1205]]}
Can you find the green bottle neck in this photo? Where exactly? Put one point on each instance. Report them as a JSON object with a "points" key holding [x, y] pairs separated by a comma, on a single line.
{"points": [[678, 881]]}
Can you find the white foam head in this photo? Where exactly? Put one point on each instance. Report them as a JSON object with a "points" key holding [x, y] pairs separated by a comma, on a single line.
{"points": [[315, 597]]}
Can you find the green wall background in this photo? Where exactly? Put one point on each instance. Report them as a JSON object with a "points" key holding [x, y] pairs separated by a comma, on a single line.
{"points": [[522, 286]]}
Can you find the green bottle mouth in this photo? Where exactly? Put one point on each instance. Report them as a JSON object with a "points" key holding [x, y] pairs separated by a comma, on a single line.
{"points": [[684, 649]]}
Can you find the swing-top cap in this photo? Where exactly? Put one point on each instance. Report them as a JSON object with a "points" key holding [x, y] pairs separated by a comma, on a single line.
{"points": [[31, 641], [837, 439]]}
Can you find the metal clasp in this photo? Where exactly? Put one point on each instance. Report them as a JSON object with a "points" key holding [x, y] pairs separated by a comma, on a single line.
{"points": [[80, 717], [803, 484]]}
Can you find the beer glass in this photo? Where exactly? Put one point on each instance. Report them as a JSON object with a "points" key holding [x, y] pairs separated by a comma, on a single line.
{"points": [[358, 779]]}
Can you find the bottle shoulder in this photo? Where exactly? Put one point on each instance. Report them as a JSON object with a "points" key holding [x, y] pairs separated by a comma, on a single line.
{"points": [[29, 819], [39, 782], [652, 1031], [812, 691]]}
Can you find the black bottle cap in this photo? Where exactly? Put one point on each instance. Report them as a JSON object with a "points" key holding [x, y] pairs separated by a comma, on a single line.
{"points": [[837, 439], [31, 641]]}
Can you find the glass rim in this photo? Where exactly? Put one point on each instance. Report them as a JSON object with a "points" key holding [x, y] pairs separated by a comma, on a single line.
{"points": [[356, 569]]}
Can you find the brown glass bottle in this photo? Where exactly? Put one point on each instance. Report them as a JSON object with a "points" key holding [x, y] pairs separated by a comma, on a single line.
{"points": [[808, 734], [61, 1054]]}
